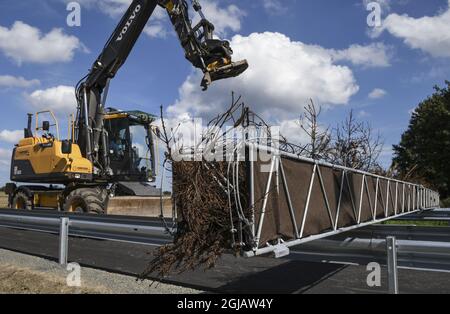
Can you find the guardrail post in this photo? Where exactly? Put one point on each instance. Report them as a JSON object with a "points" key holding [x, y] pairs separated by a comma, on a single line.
{"points": [[63, 240], [391, 247]]}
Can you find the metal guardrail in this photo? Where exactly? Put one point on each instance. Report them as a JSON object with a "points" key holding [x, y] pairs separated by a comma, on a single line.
{"points": [[418, 247], [71, 225], [405, 246], [401, 232], [143, 231], [432, 215], [390, 251], [391, 248]]}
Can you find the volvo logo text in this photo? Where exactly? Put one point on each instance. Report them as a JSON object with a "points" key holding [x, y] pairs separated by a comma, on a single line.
{"points": [[129, 22]]}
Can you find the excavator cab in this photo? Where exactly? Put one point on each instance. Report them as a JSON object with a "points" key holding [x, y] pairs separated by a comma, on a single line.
{"points": [[131, 149]]}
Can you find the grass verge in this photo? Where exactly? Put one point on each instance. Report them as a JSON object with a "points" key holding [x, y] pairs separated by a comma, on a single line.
{"points": [[16, 280], [418, 223]]}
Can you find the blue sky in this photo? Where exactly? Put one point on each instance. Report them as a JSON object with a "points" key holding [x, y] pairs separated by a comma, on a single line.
{"points": [[297, 49]]}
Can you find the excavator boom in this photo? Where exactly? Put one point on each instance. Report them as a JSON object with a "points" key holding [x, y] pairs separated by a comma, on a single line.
{"points": [[110, 154], [202, 50]]}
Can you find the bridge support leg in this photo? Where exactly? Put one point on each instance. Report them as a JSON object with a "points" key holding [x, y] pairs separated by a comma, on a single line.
{"points": [[63, 241], [391, 247]]}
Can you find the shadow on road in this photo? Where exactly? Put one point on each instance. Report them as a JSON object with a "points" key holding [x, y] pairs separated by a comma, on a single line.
{"points": [[288, 278]]}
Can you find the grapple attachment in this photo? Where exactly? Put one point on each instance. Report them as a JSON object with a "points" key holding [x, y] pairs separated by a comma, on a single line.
{"points": [[202, 48], [217, 72]]}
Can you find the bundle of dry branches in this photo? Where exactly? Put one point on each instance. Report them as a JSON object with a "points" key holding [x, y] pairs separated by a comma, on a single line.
{"points": [[204, 228], [202, 193]]}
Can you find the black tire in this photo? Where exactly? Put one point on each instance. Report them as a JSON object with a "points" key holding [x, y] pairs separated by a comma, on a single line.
{"points": [[22, 201], [87, 200]]}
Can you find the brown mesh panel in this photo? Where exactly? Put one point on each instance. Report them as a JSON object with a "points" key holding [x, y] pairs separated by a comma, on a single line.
{"points": [[278, 221]]}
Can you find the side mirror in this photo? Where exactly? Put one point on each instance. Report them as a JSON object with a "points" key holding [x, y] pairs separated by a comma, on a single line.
{"points": [[46, 126], [66, 147]]}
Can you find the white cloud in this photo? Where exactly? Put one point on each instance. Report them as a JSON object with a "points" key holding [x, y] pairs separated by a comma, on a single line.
{"points": [[17, 81], [5, 161], [274, 6], [283, 75], [157, 27], [156, 30], [430, 34], [25, 43], [293, 132], [377, 93], [60, 99], [4, 168], [363, 114], [113, 8], [373, 55], [4, 153], [10, 136]]}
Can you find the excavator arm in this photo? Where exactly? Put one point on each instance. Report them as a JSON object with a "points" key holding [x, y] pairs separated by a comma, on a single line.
{"points": [[202, 50]]}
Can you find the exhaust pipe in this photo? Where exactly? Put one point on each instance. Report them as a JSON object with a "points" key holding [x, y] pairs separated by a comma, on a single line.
{"points": [[28, 132]]}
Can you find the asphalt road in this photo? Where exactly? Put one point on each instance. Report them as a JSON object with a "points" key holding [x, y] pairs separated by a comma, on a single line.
{"points": [[232, 275]]}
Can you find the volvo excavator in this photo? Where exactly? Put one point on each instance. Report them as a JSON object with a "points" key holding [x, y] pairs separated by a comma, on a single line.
{"points": [[102, 157]]}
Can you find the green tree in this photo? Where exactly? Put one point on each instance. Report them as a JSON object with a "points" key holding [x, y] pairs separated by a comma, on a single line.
{"points": [[424, 151]]}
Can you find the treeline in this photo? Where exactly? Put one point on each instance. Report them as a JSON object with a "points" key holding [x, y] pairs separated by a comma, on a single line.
{"points": [[422, 156]]}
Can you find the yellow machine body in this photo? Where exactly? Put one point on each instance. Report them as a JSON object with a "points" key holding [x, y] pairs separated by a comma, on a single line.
{"points": [[40, 160], [62, 178]]}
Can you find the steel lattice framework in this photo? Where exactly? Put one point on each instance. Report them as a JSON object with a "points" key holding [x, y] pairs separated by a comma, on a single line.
{"points": [[287, 199], [385, 198]]}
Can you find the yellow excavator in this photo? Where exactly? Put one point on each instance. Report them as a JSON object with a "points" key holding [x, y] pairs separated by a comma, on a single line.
{"points": [[102, 158]]}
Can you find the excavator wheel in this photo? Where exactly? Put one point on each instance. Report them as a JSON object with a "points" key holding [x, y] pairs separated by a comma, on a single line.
{"points": [[86, 200], [21, 201]]}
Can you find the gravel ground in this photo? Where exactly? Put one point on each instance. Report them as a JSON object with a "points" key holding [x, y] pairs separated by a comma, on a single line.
{"points": [[20, 273]]}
